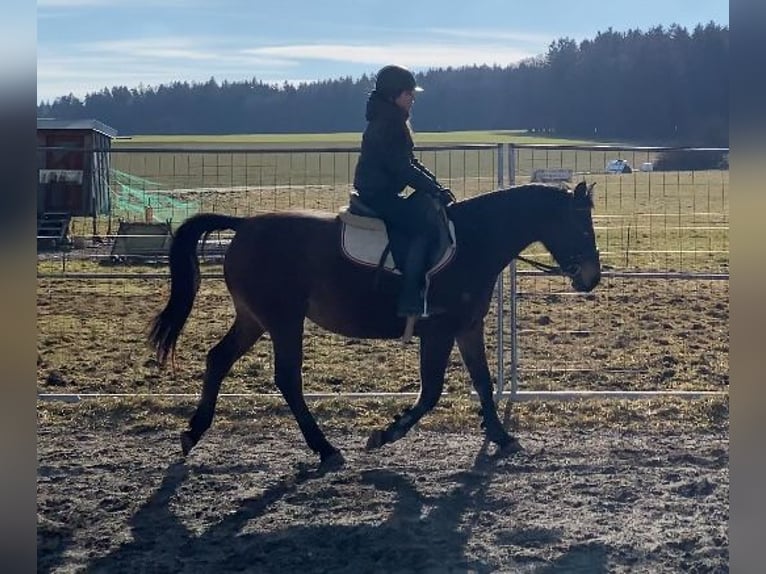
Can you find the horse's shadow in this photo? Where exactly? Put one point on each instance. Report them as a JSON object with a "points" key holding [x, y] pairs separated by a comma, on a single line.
{"points": [[419, 534]]}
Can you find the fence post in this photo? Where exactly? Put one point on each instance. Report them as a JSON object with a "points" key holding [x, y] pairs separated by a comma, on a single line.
{"points": [[514, 335], [499, 291]]}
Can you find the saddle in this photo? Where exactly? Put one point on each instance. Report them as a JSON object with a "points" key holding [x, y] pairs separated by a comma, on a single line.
{"points": [[365, 241]]}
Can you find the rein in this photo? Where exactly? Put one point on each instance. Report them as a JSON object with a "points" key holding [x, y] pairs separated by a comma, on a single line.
{"points": [[571, 269], [544, 267]]}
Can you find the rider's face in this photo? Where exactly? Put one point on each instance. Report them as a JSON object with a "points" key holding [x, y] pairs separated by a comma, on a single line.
{"points": [[405, 100]]}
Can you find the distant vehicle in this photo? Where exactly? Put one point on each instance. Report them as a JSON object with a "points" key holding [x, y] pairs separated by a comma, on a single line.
{"points": [[618, 166], [646, 166]]}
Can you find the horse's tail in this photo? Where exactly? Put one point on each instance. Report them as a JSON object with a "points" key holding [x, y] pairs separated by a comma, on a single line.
{"points": [[184, 280]]}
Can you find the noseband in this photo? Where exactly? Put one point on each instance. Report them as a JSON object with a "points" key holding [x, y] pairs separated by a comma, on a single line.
{"points": [[571, 268]]}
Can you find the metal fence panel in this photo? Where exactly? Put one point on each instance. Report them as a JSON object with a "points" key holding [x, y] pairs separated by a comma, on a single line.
{"points": [[659, 320]]}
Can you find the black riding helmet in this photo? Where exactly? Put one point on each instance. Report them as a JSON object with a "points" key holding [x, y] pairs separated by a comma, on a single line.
{"points": [[393, 80]]}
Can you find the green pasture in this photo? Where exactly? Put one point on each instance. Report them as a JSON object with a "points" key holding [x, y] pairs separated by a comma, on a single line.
{"points": [[292, 160], [342, 138], [646, 221]]}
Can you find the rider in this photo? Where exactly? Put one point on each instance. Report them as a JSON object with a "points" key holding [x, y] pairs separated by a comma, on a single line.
{"points": [[386, 166]]}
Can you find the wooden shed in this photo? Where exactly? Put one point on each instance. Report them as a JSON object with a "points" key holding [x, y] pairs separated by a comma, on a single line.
{"points": [[73, 174], [73, 163]]}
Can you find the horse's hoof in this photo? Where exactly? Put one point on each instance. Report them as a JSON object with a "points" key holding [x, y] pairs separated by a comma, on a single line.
{"points": [[333, 461], [187, 442], [376, 440], [511, 447]]}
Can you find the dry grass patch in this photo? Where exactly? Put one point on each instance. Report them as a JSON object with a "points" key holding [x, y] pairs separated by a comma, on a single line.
{"points": [[244, 416]]}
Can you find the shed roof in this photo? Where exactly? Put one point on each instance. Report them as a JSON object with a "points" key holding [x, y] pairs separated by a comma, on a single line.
{"points": [[93, 125]]}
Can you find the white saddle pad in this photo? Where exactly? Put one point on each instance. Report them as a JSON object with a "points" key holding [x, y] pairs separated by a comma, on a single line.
{"points": [[363, 240]]}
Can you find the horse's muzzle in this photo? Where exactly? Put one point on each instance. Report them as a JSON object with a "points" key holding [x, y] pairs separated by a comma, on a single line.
{"points": [[585, 275]]}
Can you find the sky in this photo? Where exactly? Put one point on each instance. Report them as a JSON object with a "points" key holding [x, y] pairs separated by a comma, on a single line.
{"points": [[84, 46]]}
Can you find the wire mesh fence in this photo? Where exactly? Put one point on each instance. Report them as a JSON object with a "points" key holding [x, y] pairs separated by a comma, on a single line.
{"points": [[659, 320]]}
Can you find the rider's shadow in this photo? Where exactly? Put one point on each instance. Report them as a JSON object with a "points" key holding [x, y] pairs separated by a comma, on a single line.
{"points": [[421, 533]]}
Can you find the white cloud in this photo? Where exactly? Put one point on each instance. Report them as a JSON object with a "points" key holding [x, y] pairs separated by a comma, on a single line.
{"points": [[152, 49], [412, 55], [73, 3], [101, 3], [174, 49], [89, 67], [494, 35], [151, 61], [91, 72]]}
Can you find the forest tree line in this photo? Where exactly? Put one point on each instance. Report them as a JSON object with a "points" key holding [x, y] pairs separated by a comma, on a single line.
{"points": [[662, 85]]}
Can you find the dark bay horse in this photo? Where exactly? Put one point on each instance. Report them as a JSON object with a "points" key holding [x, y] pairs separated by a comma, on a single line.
{"points": [[283, 267]]}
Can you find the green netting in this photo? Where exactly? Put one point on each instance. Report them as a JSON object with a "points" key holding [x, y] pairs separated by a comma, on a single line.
{"points": [[134, 198]]}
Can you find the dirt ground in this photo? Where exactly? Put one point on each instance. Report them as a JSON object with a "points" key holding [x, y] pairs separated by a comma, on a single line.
{"points": [[614, 488], [120, 500]]}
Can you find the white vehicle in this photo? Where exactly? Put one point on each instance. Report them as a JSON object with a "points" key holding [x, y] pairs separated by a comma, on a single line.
{"points": [[618, 166], [646, 166]]}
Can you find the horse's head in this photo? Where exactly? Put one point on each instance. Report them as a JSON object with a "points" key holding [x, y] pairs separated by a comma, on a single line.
{"points": [[571, 240]]}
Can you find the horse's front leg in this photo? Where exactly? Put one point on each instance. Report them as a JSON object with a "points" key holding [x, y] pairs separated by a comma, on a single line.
{"points": [[434, 353], [471, 345]]}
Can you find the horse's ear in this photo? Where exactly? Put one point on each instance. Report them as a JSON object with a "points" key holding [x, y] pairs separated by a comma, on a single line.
{"points": [[581, 190]]}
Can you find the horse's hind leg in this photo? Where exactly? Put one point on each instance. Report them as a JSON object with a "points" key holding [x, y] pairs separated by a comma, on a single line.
{"points": [[288, 357], [435, 349], [238, 340]]}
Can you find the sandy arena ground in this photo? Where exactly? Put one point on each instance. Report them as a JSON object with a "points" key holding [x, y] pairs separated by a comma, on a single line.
{"points": [[119, 500]]}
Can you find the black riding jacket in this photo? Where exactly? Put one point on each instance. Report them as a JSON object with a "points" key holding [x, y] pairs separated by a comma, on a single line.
{"points": [[387, 163]]}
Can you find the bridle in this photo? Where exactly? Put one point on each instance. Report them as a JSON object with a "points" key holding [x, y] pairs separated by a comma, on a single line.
{"points": [[570, 269], [544, 267]]}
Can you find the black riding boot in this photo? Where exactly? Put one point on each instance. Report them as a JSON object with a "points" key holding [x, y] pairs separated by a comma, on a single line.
{"points": [[411, 296]]}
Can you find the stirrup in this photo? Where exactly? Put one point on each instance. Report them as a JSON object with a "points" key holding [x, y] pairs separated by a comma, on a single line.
{"points": [[409, 328], [419, 312], [412, 308]]}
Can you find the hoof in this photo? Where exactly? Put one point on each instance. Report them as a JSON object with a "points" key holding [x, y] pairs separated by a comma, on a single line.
{"points": [[332, 461], [187, 442], [376, 440], [511, 447]]}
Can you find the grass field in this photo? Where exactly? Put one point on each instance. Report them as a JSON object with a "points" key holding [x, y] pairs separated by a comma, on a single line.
{"points": [[676, 221], [341, 138]]}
